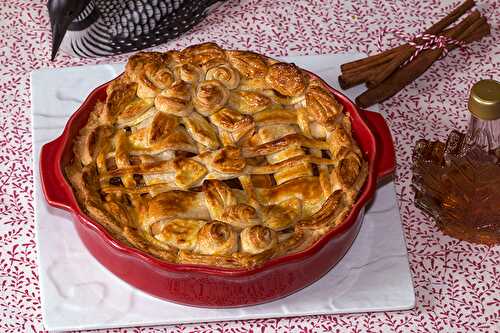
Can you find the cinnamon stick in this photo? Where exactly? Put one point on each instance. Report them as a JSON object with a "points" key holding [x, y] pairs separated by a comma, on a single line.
{"points": [[393, 58], [371, 60], [347, 81], [353, 78], [450, 18], [475, 26], [466, 32], [403, 56]]}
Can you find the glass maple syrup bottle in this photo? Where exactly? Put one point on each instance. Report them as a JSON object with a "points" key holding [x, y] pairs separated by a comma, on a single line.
{"points": [[457, 183]]}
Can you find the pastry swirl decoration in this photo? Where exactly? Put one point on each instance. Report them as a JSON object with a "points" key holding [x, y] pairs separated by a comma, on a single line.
{"points": [[226, 74], [216, 157], [188, 73], [217, 238], [257, 238], [210, 96]]}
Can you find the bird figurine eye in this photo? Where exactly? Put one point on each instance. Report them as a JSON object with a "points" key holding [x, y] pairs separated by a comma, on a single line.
{"points": [[91, 28]]}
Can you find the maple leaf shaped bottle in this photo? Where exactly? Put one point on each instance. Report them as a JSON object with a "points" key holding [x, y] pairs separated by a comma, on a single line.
{"points": [[458, 182]]}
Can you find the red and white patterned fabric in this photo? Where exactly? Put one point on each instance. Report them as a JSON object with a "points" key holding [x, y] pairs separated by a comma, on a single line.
{"points": [[456, 283]]}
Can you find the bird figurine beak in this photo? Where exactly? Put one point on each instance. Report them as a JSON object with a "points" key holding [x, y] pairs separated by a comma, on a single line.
{"points": [[59, 28], [61, 14]]}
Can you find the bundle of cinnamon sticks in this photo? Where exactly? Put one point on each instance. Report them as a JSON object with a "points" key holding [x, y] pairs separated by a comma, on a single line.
{"points": [[385, 74]]}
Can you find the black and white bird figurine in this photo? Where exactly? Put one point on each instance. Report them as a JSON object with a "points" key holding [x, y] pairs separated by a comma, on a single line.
{"points": [[91, 28]]}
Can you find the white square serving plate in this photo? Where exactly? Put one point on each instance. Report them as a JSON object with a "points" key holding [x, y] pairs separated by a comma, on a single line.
{"points": [[78, 293]]}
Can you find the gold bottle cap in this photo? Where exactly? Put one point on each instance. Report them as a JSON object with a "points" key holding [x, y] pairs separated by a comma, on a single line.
{"points": [[484, 100]]}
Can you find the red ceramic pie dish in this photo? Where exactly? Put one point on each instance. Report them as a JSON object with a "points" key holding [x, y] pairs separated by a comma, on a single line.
{"points": [[213, 286]]}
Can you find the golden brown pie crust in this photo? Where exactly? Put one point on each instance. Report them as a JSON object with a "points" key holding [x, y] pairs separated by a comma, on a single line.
{"points": [[216, 157]]}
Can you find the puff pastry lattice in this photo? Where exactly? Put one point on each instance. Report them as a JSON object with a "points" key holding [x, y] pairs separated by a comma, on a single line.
{"points": [[216, 157]]}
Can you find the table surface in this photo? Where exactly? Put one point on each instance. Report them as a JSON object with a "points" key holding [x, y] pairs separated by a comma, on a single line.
{"points": [[456, 283]]}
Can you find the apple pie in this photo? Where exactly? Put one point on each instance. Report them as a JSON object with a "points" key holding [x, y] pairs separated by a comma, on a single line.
{"points": [[216, 157]]}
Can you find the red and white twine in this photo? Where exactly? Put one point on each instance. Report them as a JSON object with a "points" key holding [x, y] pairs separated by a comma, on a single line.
{"points": [[430, 42]]}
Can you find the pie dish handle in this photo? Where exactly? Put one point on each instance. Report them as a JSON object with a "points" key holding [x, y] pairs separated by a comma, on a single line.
{"points": [[386, 159], [51, 176]]}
